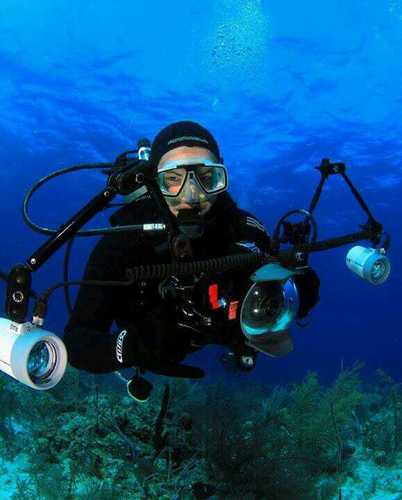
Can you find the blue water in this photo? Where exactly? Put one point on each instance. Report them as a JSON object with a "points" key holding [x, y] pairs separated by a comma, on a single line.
{"points": [[280, 84]]}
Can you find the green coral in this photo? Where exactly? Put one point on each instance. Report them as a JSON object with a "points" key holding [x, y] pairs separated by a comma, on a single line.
{"points": [[281, 452], [383, 429], [103, 440], [317, 419], [289, 443]]}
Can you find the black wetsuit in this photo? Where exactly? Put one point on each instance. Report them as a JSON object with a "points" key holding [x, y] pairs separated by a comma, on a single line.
{"points": [[90, 335]]}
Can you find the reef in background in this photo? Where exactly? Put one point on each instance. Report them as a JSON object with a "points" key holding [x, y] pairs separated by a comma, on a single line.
{"points": [[88, 439]]}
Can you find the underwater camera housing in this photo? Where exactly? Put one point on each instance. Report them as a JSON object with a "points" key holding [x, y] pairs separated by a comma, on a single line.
{"points": [[269, 307], [272, 303]]}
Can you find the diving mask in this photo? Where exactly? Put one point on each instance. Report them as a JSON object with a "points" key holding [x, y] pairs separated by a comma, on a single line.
{"points": [[178, 176]]}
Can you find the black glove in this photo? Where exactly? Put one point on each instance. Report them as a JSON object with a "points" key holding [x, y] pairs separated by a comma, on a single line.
{"points": [[308, 286], [155, 343]]}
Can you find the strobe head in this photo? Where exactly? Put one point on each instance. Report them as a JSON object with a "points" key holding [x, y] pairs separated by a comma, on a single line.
{"points": [[31, 355], [370, 264]]}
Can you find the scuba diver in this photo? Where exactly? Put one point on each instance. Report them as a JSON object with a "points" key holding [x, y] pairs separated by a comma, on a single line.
{"points": [[152, 325]]}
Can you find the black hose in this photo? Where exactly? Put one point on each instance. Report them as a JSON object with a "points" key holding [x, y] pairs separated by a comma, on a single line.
{"points": [[66, 265], [229, 262], [161, 271], [89, 232]]}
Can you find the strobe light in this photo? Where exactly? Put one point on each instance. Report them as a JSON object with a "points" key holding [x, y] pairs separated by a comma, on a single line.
{"points": [[31, 355], [370, 264]]}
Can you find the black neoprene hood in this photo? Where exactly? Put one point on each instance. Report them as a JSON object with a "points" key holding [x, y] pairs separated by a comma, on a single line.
{"points": [[182, 133]]}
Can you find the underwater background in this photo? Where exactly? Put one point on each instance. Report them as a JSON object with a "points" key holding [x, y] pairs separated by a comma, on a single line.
{"points": [[281, 85]]}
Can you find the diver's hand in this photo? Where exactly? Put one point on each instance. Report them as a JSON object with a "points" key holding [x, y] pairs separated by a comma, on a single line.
{"points": [[145, 351], [156, 344], [308, 286]]}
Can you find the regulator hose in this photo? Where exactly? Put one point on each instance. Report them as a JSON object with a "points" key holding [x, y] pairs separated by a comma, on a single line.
{"points": [[218, 264]]}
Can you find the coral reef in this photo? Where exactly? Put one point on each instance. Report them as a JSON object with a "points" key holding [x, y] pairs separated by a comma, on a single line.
{"points": [[87, 439]]}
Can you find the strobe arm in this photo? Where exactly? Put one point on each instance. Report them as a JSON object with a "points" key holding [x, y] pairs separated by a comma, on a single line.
{"points": [[122, 181], [19, 279]]}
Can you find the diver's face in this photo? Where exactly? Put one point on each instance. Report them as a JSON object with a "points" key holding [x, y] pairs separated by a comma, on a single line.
{"points": [[191, 195]]}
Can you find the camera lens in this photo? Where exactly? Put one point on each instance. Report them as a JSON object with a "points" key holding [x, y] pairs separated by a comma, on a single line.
{"points": [[263, 306], [41, 362]]}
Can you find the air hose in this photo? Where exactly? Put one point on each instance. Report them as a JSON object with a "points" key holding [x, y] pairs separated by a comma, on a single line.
{"points": [[218, 264], [162, 271]]}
